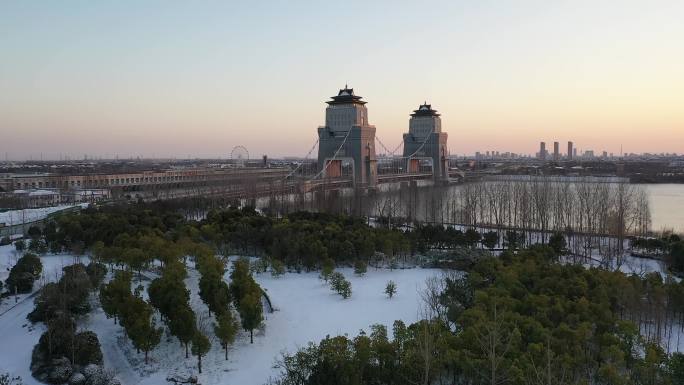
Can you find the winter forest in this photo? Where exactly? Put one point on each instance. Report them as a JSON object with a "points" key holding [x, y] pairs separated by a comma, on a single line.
{"points": [[537, 282]]}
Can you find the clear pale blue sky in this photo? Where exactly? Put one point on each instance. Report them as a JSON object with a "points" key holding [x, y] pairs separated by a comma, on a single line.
{"points": [[183, 78]]}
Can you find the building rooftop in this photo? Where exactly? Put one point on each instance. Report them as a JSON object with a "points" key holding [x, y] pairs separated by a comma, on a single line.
{"points": [[346, 96], [425, 110]]}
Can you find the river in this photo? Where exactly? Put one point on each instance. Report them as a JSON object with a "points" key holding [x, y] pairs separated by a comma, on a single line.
{"points": [[667, 206], [666, 203]]}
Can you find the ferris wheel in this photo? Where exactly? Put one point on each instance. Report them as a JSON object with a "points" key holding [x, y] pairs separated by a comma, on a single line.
{"points": [[239, 155]]}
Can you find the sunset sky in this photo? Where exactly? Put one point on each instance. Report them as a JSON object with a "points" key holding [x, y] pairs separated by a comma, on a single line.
{"points": [[187, 78]]}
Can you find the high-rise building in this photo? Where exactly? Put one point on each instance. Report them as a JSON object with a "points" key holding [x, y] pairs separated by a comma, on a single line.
{"points": [[574, 153], [542, 150], [570, 152], [556, 151]]}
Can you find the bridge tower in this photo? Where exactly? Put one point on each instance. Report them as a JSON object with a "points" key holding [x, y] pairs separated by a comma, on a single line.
{"points": [[425, 139], [347, 136]]}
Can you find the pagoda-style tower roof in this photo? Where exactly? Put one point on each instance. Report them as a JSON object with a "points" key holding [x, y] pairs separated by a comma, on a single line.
{"points": [[425, 110], [346, 96]]}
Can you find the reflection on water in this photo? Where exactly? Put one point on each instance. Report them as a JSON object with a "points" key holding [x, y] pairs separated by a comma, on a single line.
{"points": [[666, 203], [667, 206]]}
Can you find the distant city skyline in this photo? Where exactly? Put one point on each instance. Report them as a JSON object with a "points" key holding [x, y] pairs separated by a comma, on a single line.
{"points": [[174, 79]]}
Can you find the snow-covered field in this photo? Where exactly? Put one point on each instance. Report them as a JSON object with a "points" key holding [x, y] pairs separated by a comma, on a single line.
{"points": [[17, 217], [306, 310]]}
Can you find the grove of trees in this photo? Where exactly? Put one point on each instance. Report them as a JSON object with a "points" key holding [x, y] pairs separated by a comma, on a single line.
{"points": [[520, 319]]}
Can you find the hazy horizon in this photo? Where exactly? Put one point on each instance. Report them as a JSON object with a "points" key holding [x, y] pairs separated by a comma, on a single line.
{"points": [[179, 79]]}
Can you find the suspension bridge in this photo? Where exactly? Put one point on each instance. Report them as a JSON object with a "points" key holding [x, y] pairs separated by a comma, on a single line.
{"points": [[344, 154], [347, 156]]}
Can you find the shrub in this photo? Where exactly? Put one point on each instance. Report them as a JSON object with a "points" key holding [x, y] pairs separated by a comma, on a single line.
{"points": [[335, 279], [340, 285], [88, 350], [390, 289], [38, 245], [20, 245], [24, 273], [344, 289], [70, 293], [327, 268], [259, 266], [277, 268], [360, 267], [34, 232], [59, 345], [557, 243]]}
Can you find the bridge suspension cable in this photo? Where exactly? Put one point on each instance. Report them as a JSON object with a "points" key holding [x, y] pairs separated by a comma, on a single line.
{"points": [[327, 162], [399, 146], [387, 151], [301, 164], [419, 148]]}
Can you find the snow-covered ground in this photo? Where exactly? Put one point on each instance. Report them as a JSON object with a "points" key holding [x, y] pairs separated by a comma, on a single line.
{"points": [[306, 310], [17, 217], [627, 264], [17, 333], [52, 269]]}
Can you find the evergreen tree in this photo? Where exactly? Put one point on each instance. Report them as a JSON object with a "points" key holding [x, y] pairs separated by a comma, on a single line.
{"points": [[360, 267], [277, 268], [169, 292], [114, 294], [340, 285], [225, 328], [335, 279], [676, 368], [96, 272], [240, 279], [557, 243], [327, 268], [513, 240], [214, 292], [345, 289], [490, 239], [24, 273], [136, 259], [390, 289], [140, 325], [472, 237], [676, 259], [20, 245], [200, 347], [182, 325], [251, 312]]}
